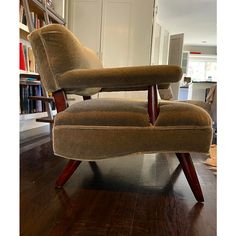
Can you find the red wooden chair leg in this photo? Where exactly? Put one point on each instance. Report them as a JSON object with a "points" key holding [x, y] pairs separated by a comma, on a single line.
{"points": [[67, 172], [153, 107], [191, 175]]}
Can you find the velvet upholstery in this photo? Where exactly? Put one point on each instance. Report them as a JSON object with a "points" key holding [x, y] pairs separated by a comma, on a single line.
{"points": [[206, 106], [57, 51], [103, 128], [99, 142], [105, 112], [123, 112], [122, 77], [109, 127], [64, 63], [188, 115]]}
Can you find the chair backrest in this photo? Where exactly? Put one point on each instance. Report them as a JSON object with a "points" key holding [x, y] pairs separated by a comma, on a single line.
{"points": [[56, 51]]}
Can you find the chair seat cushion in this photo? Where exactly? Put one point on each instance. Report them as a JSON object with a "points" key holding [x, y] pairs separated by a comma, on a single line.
{"points": [[105, 128], [105, 112], [206, 106], [122, 112], [182, 114]]}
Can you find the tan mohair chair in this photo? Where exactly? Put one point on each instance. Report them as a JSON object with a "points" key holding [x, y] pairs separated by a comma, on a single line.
{"points": [[96, 129]]}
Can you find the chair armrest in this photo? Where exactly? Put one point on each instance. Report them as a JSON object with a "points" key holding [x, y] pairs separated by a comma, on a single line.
{"points": [[123, 77]]}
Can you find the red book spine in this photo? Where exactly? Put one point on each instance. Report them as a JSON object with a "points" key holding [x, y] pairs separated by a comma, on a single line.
{"points": [[22, 58]]}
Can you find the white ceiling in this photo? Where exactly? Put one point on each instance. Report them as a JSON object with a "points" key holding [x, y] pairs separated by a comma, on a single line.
{"points": [[195, 18]]}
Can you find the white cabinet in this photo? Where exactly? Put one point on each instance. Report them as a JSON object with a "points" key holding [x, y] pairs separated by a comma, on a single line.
{"points": [[198, 90], [160, 45], [165, 46], [160, 40], [119, 31], [185, 60], [156, 44], [84, 20], [175, 58]]}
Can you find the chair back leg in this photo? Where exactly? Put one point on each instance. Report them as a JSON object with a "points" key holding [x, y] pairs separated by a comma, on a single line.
{"points": [[191, 175]]}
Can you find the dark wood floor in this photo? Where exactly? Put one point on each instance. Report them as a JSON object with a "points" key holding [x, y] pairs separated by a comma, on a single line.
{"points": [[139, 195]]}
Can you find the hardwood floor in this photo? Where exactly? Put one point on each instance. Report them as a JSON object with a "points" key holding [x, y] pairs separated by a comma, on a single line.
{"points": [[139, 195]]}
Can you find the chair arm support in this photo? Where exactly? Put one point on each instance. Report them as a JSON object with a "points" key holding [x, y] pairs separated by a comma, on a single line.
{"points": [[153, 107], [119, 77]]}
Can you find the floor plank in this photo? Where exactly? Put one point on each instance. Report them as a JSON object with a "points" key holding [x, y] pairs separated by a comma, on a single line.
{"points": [[139, 195]]}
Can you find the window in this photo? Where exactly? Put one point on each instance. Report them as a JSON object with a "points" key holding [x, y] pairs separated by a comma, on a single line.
{"points": [[202, 68]]}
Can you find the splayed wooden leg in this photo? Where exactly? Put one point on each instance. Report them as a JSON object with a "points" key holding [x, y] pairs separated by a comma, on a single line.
{"points": [[67, 172], [191, 175]]}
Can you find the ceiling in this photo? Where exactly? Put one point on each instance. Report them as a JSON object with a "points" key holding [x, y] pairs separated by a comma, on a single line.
{"points": [[195, 18]]}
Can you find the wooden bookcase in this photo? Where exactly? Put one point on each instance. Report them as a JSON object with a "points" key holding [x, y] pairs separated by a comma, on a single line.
{"points": [[36, 14]]}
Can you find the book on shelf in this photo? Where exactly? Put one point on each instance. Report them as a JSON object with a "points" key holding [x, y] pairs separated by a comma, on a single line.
{"points": [[38, 92], [24, 101], [25, 47], [32, 107], [27, 59], [28, 106], [37, 21], [31, 60], [21, 12], [22, 16], [29, 81], [22, 57]]}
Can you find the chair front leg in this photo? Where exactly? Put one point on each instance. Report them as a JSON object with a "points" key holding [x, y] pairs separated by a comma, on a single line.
{"points": [[67, 172], [191, 175]]}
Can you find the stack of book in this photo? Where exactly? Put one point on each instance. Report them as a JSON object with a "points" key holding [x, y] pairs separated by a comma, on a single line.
{"points": [[27, 60], [28, 106], [22, 17], [37, 21]]}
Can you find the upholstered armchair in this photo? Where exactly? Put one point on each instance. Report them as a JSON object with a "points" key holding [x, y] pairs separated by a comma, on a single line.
{"points": [[96, 129]]}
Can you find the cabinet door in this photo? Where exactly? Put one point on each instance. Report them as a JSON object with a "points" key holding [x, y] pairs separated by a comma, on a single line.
{"points": [[185, 62], [156, 44], [84, 20], [119, 31], [175, 58], [165, 47], [127, 30]]}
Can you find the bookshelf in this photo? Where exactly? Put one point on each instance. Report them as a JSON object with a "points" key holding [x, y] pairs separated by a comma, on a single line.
{"points": [[35, 103], [41, 115], [23, 28]]}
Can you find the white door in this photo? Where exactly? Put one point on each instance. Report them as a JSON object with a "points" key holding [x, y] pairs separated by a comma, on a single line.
{"points": [[175, 58]]}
